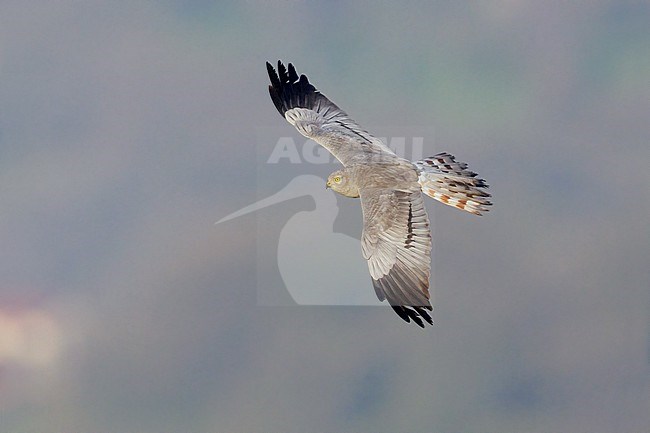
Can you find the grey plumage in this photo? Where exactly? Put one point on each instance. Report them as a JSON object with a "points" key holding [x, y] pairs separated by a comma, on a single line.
{"points": [[316, 117], [396, 239]]}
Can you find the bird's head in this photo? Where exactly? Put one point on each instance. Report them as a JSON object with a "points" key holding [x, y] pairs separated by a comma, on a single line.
{"points": [[341, 182]]}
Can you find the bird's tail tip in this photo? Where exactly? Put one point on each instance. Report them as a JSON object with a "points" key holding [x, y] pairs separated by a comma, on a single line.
{"points": [[450, 182]]}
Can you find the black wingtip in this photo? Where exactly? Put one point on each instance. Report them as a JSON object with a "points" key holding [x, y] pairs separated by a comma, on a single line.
{"points": [[275, 81], [293, 76], [422, 311], [288, 90], [415, 314]]}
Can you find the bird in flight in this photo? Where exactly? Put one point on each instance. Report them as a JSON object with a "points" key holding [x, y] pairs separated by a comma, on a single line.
{"points": [[396, 241]]}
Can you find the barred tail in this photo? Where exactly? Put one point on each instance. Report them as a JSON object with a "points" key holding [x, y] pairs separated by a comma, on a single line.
{"points": [[449, 182]]}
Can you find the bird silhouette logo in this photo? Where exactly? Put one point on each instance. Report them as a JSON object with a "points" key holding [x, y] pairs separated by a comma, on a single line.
{"points": [[335, 274]]}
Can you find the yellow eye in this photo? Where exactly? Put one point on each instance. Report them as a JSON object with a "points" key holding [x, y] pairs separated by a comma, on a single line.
{"points": [[337, 179]]}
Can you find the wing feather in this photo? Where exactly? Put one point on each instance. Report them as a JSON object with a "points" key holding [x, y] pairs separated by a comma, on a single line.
{"points": [[396, 242], [318, 118]]}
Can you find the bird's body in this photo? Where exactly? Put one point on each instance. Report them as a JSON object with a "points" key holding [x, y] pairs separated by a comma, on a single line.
{"points": [[396, 241]]}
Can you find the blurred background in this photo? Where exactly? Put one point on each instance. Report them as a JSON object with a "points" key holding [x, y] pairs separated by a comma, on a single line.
{"points": [[128, 128]]}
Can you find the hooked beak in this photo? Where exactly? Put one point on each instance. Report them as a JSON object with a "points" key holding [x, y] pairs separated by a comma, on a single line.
{"points": [[327, 185]]}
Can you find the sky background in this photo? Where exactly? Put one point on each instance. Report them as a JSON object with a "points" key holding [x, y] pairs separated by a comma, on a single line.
{"points": [[128, 128]]}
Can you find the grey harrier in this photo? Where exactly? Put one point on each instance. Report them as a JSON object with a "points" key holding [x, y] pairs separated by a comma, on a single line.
{"points": [[396, 240]]}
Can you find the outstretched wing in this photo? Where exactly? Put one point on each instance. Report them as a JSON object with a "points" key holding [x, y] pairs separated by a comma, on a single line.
{"points": [[318, 118], [396, 241]]}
